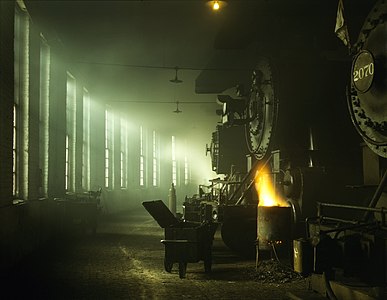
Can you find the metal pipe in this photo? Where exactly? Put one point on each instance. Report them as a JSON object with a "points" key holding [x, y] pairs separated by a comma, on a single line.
{"points": [[339, 220], [247, 177], [244, 192], [348, 227], [331, 295], [368, 209], [381, 210], [377, 195]]}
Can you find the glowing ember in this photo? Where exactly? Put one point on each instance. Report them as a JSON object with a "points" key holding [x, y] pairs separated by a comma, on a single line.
{"points": [[266, 192]]}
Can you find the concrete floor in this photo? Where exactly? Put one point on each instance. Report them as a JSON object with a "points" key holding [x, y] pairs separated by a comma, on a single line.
{"points": [[124, 260]]}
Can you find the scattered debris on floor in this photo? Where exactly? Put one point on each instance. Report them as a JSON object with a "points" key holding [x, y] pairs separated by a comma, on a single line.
{"points": [[272, 271]]}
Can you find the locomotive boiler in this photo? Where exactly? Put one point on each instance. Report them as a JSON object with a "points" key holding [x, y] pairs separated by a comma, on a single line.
{"points": [[349, 253]]}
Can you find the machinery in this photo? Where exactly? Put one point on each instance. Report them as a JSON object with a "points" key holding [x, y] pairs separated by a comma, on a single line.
{"points": [[324, 150], [349, 258], [285, 131]]}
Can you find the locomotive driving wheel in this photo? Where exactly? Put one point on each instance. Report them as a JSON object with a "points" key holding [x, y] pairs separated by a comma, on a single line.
{"points": [[262, 110], [367, 99]]}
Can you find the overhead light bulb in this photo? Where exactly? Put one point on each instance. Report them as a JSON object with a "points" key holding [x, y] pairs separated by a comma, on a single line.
{"points": [[216, 4]]}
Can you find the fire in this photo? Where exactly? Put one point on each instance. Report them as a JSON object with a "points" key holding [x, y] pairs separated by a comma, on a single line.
{"points": [[267, 195]]}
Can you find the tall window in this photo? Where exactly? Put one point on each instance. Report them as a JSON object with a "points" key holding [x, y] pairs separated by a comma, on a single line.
{"points": [[71, 94], [155, 160], [44, 113], [142, 158], [15, 154], [174, 162], [109, 133], [67, 163], [124, 154], [21, 103], [86, 141]]}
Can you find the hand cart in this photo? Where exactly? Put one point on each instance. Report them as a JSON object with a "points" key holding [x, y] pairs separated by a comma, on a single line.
{"points": [[185, 242]]}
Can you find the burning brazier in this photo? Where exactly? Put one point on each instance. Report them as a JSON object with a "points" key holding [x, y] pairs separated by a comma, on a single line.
{"points": [[274, 218], [274, 228]]}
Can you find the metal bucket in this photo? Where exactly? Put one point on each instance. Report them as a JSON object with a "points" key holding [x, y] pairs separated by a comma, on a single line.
{"points": [[274, 227]]}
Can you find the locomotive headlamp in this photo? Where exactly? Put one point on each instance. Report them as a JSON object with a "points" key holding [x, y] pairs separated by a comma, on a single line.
{"points": [[231, 107]]}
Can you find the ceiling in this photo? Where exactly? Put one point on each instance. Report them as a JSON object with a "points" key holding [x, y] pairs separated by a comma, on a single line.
{"points": [[127, 51]]}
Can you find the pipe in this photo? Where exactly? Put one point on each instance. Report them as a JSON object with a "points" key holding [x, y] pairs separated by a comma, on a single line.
{"points": [[368, 210], [248, 175], [244, 192], [349, 227], [377, 195], [331, 295]]}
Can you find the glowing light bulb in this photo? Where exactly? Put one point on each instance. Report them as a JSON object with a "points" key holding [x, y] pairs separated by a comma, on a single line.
{"points": [[216, 5]]}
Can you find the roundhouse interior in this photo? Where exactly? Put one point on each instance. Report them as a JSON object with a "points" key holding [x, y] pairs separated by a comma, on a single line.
{"points": [[109, 106]]}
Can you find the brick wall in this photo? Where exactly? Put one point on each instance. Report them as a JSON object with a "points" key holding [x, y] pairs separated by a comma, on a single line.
{"points": [[6, 99]]}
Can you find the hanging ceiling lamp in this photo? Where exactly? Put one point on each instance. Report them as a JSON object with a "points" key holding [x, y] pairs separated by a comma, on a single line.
{"points": [[216, 5], [176, 80], [177, 110]]}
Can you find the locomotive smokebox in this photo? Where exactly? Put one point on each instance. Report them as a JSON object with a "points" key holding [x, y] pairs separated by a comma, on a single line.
{"points": [[274, 229]]}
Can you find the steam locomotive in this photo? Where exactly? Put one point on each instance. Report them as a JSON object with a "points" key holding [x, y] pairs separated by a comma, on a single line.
{"points": [[315, 122]]}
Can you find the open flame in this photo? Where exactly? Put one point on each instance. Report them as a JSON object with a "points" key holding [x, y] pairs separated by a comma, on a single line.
{"points": [[267, 195]]}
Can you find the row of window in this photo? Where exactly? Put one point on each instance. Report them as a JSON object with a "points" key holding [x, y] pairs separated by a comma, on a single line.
{"points": [[113, 157]]}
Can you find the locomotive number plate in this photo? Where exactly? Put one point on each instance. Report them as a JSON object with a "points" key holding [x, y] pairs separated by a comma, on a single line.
{"points": [[363, 70]]}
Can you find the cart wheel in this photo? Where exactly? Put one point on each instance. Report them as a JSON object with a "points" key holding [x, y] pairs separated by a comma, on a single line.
{"points": [[207, 265], [168, 266], [182, 269]]}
